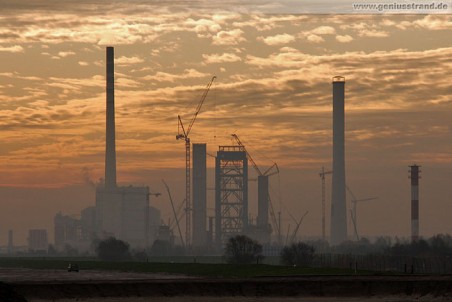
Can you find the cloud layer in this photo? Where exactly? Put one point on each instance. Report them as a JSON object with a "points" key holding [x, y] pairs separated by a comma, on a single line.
{"points": [[273, 88]]}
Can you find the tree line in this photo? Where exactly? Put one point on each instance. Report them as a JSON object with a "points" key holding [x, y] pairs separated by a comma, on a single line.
{"points": [[242, 249]]}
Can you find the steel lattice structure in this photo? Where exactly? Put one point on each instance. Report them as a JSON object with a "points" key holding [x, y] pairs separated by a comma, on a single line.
{"points": [[231, 192]]}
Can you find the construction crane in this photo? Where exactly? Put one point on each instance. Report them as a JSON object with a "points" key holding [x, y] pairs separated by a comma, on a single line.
{"points": [[174, 212], [353, 213], [184, 134], [298, 224], [267, 172], [272, 170], [322, 176]]}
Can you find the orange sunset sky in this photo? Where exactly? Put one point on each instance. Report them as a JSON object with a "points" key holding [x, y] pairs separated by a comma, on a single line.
{"points": [[273, 89]]}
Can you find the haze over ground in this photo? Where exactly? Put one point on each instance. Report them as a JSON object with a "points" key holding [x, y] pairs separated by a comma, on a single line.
{"points": [[273, 89]]}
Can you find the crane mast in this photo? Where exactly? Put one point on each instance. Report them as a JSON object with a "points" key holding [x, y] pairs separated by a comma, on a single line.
{"points": [[183, 134]]}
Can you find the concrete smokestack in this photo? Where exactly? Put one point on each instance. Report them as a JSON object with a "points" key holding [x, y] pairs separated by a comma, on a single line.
{"points": [[338, 206], [199, 195], [414, 175], [110, 149]]}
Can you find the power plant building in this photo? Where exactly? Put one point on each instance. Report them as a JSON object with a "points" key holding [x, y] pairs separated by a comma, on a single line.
{"points": [[338, 202], [121, 212], [199, 195]]}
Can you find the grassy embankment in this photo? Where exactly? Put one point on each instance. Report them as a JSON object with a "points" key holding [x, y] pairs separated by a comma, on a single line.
{"points": [[192, 269]]}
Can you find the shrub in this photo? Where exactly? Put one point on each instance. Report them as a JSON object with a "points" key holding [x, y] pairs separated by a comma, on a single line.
{"points": [[160, 248], [112, 249], [242, 250], [299, 254]]}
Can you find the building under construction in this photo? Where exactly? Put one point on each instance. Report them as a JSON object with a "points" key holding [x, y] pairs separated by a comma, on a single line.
{"points": [[231, 192]]}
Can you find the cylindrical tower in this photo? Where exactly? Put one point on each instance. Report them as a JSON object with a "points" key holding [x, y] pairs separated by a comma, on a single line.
{"points": [[199, 195], [110, 145], [414, 175], [338, 206]]}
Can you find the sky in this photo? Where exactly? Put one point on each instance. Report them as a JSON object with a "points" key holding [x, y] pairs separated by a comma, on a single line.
{"points": [[273, 89]]}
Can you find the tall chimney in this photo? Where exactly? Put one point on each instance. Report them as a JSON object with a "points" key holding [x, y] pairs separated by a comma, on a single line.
{"points": [[414, 175], [338, 206], [199, 195], [110, 147]]}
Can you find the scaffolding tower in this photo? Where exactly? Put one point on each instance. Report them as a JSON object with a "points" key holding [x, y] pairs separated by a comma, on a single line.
{"points": [[231, 192]]}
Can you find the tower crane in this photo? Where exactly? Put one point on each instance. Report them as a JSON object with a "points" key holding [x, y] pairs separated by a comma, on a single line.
{"points": [[322, 176], [184, 134], [353, 210], [272, 170]]}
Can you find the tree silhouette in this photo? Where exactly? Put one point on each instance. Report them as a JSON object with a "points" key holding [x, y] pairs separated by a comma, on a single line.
{"points": [[112, 249], [299, 254], [242, 250]]}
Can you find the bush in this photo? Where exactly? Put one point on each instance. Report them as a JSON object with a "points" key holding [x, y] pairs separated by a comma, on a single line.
{"points": [[299, 254], [160, 248], [242, 250], [112, 249]]}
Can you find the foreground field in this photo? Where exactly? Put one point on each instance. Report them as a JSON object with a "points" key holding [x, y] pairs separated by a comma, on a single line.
{"points": [[57, 285], [31, 279], [190, 269]]}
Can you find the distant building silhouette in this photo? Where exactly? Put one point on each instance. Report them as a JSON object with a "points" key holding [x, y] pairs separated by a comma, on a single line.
{"points": [[37, 241], [67, 231], [10, 242]]}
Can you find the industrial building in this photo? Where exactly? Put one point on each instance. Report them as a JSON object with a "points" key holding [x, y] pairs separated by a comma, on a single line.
{"points": [[88, 224], [67, 231], [338, 205], [121, 212], [71, 231], [37, 241]]}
